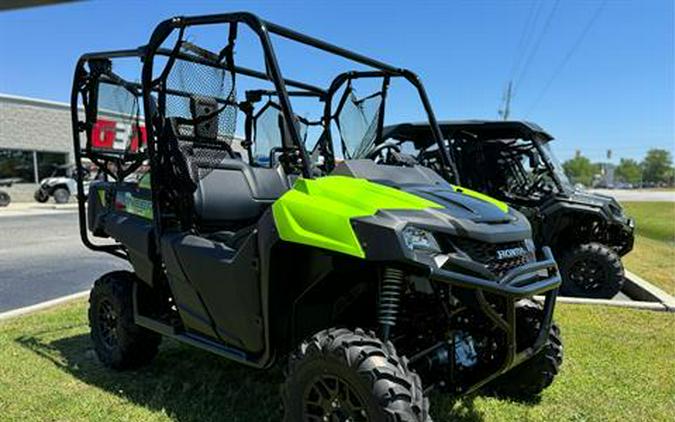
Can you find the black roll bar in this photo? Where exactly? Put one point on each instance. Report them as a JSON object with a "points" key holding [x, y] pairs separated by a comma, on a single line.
{"points": [[273, 73]]}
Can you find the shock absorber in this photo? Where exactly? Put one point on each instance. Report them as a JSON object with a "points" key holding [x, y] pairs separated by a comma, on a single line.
{"points": [[390, 299]]}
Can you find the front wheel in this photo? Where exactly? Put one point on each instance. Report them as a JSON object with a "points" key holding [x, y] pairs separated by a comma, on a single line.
{"points": [[344, 375], [527, 380], [119, 343], [41, 196], [591, 270]]}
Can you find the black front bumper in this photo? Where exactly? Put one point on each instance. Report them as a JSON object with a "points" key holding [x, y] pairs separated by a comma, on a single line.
{"points": [[536, 278]]}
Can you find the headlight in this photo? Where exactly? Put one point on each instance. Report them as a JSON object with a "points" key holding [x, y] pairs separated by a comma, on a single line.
{"points": [[420, 239]]}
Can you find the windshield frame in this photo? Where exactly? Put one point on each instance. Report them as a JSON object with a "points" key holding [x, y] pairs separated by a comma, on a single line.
{"points": [[449, 169], [552, 164]]}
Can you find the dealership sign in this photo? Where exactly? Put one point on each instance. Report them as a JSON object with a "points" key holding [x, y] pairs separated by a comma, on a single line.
{"points": [[117, 136]]}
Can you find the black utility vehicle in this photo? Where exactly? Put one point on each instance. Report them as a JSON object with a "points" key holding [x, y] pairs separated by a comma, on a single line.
{"points": [[371, 278], [512, 161]]}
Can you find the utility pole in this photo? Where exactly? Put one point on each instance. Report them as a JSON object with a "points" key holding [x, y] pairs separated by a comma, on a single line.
{"points": [[506, 102]]}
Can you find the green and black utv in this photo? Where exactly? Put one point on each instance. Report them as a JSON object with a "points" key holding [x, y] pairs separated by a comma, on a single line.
{"points": [[513, 161], [377, 282]]}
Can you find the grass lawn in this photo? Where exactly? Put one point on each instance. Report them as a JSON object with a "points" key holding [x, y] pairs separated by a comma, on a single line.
{"points": [[49, 372], [653, 220], [654, 254]]}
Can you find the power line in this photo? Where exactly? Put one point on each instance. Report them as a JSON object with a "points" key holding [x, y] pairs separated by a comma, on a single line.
{"points": [[505, 111], [525, 35], [537, 44], [568, 56]]}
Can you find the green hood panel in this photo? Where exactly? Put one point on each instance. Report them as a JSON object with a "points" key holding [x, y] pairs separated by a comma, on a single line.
{"points": [[318, 212], [503, 206]]}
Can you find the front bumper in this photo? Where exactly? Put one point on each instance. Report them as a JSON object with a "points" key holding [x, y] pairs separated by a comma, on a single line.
{"points": [[536, 278], [531, 279]]}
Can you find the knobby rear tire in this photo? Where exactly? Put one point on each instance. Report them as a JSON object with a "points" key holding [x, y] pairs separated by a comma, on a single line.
{"points": [[131, 346]]}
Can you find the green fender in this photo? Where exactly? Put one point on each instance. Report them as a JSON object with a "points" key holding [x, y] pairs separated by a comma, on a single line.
{"points": [[317, 212]]}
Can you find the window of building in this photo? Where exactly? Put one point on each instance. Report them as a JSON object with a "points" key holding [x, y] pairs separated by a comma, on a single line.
{"points": [[48, 161], [29, 166]]}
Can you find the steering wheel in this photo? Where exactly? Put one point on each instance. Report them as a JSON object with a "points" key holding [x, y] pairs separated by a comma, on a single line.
{"points": [[390, 153], [381, 154]]}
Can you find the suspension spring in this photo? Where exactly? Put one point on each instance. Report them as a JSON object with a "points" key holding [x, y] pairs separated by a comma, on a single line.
{"points": [[390, 299]]}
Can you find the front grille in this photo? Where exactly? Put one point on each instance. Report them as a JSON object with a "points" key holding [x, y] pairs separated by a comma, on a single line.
{"points": [[487, 253]]}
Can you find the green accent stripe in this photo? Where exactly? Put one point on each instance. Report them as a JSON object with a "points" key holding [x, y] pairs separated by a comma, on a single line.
{"points": [[496, 202], [101, 196], [318, 212]]}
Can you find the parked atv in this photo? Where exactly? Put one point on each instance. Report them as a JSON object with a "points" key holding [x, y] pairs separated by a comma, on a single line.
{"points": [[513, 161], [60, 185], [377, 282]]}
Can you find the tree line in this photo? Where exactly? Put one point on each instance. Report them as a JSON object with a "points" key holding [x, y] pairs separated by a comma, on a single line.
{"points": [[654, 170]]}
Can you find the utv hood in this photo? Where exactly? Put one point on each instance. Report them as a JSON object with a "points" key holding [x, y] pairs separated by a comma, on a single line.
{"points": [[323, 212], [612, 209], [465, 204]]}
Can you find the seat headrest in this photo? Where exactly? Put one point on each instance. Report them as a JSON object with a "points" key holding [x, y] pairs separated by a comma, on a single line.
{"points": [[204, 111]]}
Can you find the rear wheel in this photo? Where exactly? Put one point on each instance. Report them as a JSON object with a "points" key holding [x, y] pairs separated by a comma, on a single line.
{"points": [[118, 341], [531, 377], [591, 270], [343, 375], [61, 195]]}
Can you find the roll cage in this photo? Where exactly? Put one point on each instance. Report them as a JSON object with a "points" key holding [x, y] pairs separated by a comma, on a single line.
{"points": [[473, 135], [148, 124]]}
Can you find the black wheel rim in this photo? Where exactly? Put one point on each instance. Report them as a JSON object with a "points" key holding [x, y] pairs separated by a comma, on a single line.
{"points": [[587, 274], [107, 321], [330, 398]]}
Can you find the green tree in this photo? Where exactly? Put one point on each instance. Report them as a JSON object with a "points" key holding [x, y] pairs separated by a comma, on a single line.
{"points": [[580, 170], [628, 171], [656, 166], [670, 176]]}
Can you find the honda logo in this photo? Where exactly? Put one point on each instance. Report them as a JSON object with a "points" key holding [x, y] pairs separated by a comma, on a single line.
{"points": [[511, 253]]}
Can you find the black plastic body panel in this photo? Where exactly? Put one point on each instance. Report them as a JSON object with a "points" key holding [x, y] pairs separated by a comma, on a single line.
{"points": [[136, 234], [190, 306], [96, 207], [217, 289]]}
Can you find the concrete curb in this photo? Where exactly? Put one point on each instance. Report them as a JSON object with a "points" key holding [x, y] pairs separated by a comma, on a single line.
{"points": [[652, 306], [639, 288], [36, 210], [647, 297], [32, 206], [43, 305]]}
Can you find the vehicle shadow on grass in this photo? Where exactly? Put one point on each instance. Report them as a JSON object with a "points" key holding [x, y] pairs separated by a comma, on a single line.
{"points": [[192, 385], [186, 383]]}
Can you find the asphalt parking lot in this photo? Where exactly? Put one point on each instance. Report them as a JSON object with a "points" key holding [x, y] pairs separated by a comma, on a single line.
{"points": [[42, 258], [638, 195]]}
